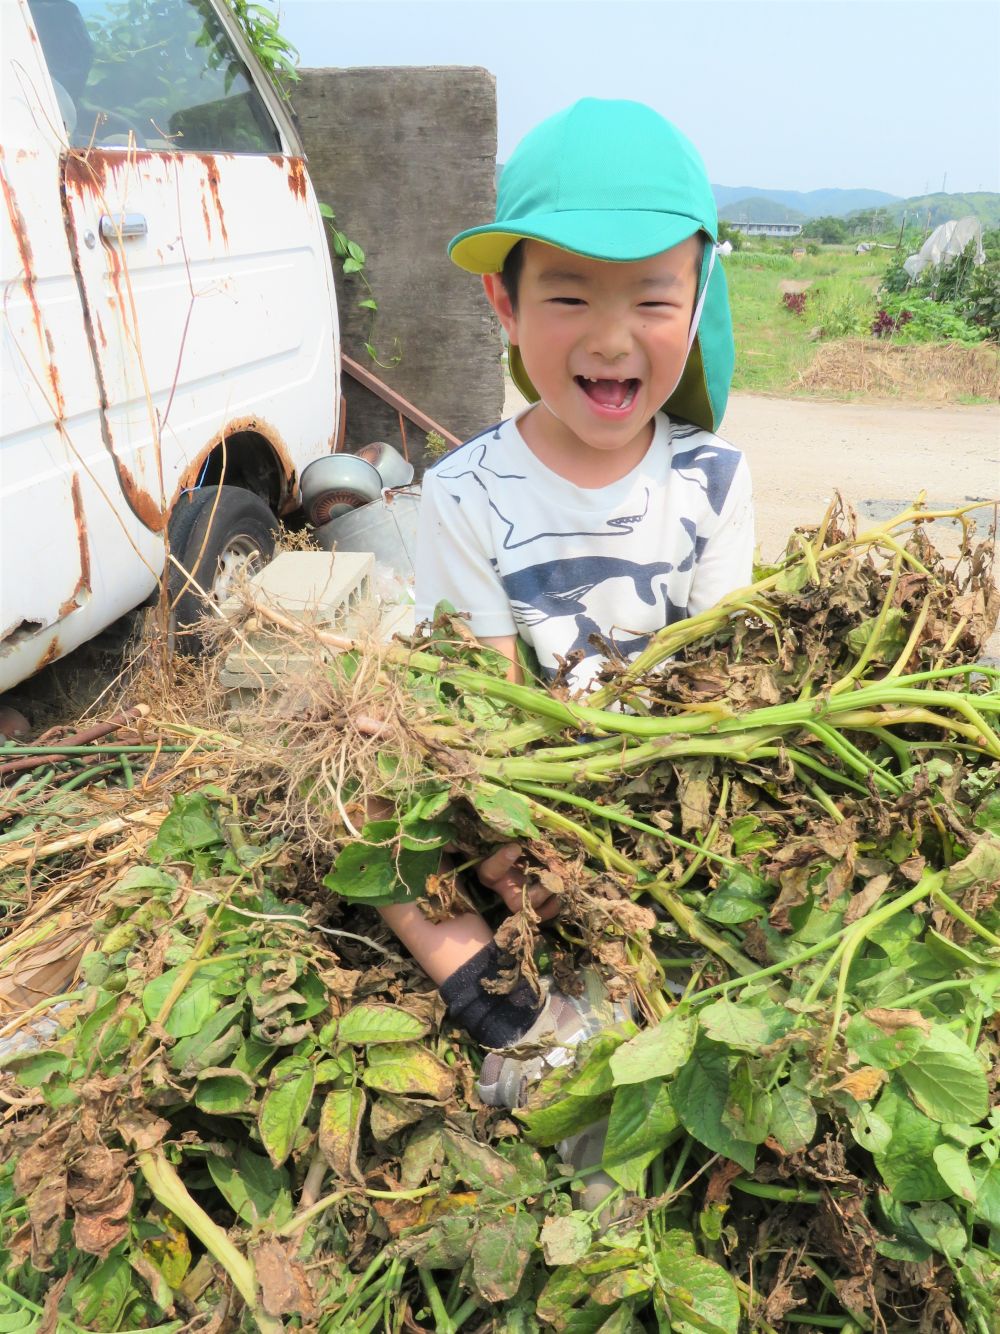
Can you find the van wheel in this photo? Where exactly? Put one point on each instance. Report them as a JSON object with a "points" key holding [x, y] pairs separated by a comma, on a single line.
{"points": [[216, 534]]}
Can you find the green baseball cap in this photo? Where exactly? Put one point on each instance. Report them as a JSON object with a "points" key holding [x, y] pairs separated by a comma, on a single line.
{"points": [[614, 180]]}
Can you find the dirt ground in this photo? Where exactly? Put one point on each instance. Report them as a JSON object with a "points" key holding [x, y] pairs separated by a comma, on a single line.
{"points": [[878, 455]]}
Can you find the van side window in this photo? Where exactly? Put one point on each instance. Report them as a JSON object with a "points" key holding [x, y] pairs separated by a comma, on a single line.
{"points": [[163, 72]]}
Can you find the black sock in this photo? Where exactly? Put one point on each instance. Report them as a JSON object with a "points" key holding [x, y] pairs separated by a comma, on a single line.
{"points": [[490, 1020]]}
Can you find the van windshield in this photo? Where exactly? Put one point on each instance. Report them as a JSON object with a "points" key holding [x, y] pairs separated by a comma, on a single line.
{"points": [[162, 74]]}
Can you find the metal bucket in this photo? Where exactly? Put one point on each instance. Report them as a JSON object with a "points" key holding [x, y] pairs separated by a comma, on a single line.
{"points": [[387, 528]]}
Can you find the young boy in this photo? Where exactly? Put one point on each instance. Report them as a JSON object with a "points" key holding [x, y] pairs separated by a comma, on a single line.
{"points": [[607, 509]]}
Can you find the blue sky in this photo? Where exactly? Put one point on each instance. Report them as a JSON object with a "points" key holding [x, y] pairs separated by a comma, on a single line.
{"points": [[782, 94]]}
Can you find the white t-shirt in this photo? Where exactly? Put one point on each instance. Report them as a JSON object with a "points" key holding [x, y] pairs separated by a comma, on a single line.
{"points": [[515, 548]]}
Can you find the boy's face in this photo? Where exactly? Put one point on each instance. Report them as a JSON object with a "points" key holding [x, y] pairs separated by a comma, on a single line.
{"points": [[604, 343]]}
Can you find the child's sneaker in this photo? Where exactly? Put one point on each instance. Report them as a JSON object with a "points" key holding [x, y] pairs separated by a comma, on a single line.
{"points": [[564, 1022]]}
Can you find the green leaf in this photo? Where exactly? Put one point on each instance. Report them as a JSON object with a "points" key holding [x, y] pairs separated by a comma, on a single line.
{"points": [[284, 1105], [224, 1091], [642, 1123], [700, 1093], [368, 304], [500, 1254], [907, 1162], [987, 1182], [197, 1002], [366, 874], [561, 1117], [340, 1130], [940, 1227], [351, 265], [739, 1026], [326, 211], [953, 1164], [656, 1051], [252, 1187], [370, 1024], [793, 1118], [219, 1039], [507, 812], [870, 1130], [740, 895], [874, 1045], [32, 1069], [748, 1107], [947, 1081], [699, 1294], [355, 252], [100, 1299], [189, 827], [408, 1068]]}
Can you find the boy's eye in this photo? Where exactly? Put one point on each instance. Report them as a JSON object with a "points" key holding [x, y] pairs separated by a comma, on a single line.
{"points": [[567, 301]]}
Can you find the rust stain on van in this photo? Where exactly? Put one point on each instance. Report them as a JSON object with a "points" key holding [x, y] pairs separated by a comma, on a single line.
{"points": [[239, 426], [212, 172], [297, 177], [87, 173], [83, 584], [208, 220], [53, 651], [20, 229]]}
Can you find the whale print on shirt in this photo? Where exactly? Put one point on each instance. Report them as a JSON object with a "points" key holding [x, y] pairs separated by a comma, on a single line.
{"points": [[560, 588]]}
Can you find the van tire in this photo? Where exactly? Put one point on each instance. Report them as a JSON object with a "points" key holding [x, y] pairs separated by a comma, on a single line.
{"points": [[213, 532]]}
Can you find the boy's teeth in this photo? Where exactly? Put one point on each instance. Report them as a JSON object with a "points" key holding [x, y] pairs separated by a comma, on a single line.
{"points": [[608, 393]]}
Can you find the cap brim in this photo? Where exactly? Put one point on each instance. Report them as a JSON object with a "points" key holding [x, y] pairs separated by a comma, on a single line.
{"points": [[703, 389], [617, 235]]}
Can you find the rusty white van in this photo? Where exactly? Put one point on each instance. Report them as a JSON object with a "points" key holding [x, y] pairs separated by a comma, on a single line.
{"points": [[171, 359]]}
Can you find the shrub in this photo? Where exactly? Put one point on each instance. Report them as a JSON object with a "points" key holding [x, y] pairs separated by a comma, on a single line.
{"points": [[981, 304], [884, 325], [730, 234], [932, 321], [794, 302], [895, 278]]}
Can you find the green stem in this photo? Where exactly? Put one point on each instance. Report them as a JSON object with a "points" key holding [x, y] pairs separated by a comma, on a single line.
{"points": [[784, 1194], [167, 1187], [618, 817], [442, 1320]]}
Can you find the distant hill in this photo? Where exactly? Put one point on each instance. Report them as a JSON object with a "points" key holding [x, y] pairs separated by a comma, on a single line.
{"points": [[833, 203], [758, 208], [930, 210]]}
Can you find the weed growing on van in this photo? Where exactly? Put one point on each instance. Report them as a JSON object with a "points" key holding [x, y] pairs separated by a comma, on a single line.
{"points": [[786, 843]]}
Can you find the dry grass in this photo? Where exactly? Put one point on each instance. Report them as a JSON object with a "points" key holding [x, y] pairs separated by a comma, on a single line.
{"points": [[935, 372]]}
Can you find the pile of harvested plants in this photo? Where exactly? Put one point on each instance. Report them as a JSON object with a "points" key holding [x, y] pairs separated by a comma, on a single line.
{"points": [[778, 830]]}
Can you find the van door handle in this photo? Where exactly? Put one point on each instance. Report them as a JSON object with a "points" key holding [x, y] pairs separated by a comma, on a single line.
{"points": [[126, 226]]}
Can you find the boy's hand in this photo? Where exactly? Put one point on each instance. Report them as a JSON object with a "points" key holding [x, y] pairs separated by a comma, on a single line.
{"points": [[501, 872]]}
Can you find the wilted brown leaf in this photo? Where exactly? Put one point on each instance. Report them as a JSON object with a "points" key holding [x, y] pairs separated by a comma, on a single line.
{"points": [[284, 1284]]}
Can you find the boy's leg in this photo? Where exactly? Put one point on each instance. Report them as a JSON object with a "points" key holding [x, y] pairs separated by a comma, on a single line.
{"points": [[461, 958]]}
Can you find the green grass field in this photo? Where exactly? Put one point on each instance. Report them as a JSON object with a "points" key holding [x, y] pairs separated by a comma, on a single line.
{"points": [[772, 344]]}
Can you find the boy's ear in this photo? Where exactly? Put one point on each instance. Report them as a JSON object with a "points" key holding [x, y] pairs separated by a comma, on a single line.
{"points": [[496, 295]]}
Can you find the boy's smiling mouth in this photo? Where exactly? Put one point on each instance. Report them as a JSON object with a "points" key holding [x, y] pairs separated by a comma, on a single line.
{"points": [[614, 396]]}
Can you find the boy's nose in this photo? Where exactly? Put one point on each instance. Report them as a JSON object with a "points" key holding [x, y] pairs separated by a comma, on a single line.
{"points": [[610, 340]]}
